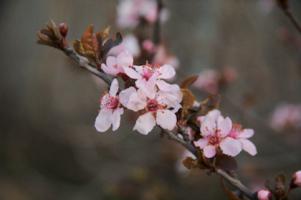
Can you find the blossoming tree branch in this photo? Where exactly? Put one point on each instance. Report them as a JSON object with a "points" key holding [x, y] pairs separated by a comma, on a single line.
{"points": [[139, 78]]}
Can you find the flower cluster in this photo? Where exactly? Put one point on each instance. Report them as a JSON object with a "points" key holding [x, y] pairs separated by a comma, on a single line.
{"points": [[219, 134], [150, 94]]}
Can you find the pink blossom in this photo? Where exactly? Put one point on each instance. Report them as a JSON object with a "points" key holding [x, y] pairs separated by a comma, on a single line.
{"points": [[264, 194], [115, 65], [297, 179], [149, 46], [129, 43], [110, 110], [208, 81], [215, 130], [243, 135], [131, 11], [160, 109], [286, 116], [148, 77]]}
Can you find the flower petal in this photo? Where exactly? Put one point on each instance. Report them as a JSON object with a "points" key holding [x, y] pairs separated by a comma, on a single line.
{"points": [[148, 87], [103, 120], [249, 147], [114, 87], [208, 126], [125, 59], [116, 118], [166, 119], [130, 72], [209, 151], [231, 147], [166, 72], [132, 99], [145, 123], [224, 125], [202, 143], [109, 70], [111, 61], [246, 133]]}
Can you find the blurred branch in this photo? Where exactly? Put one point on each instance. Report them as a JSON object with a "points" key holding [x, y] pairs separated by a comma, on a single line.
{"points": [[157, 27], [283, 4]]}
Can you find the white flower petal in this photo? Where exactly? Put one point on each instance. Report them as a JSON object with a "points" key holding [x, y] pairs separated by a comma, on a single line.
{"points": [[132, 99], [130, 72], [125, 59], [116, 118], [103, 120], [246, 133], [166, 119], [224, 125], [111, 61], [249, 147], [201, 143], [114, 87], [147, 87], [208, 126], [145, 123], [209, 151], [109, 70], [231, 147], [166, 72]]}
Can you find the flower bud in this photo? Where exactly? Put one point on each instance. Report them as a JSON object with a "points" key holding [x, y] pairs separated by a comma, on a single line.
{"points": [[63, 27], [296, 180], [264, 195]]}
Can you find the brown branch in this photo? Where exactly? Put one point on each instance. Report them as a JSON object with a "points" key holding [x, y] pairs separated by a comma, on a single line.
{"points": [[284, 6], [85, 64], [291, 17]]}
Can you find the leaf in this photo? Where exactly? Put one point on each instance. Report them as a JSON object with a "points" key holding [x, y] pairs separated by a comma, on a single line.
{"points": [[212, 102], [188, 81], [110, 43], [88, 44], [226, 163], [187, 102]]}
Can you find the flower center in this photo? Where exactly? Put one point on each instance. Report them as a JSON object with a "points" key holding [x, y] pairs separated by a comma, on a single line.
{"points": [[111, 102], [147, 73], [214, 140], [152, 105]]}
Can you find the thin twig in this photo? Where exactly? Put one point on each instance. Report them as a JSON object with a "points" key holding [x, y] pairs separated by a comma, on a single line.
{"points": [[291, 17], [84, 63]]}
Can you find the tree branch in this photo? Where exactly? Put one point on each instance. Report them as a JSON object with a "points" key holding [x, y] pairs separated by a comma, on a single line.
{"points": [[85, 64]]}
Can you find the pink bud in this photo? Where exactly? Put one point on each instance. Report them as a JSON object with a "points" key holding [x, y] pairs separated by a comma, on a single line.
{"points": [[296, 181], [63, 27], [264, 195]]}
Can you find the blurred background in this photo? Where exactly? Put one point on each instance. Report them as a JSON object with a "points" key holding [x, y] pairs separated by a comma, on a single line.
{"points": [[49, 148]]}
